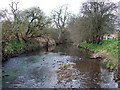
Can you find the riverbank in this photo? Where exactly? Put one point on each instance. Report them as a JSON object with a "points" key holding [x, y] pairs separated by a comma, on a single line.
{"points": [[63, 67], [108, 50], [17, 47]]}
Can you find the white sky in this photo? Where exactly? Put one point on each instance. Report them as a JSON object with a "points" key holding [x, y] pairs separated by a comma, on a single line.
{"points": [[46, 5]]}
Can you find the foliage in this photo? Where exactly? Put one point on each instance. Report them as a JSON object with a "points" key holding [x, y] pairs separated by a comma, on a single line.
{"points": [[7, 31], [100, 18], [13, 46], [96, 20], [110, 65], [111, 48], [20, 26], [23, 24], [34, 20]]}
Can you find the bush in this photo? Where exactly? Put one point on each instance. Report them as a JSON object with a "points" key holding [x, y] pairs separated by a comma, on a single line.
{"points": [[13, 46]]}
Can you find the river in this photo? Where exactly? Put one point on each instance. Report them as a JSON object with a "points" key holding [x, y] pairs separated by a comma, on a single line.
{"points": [[60, 67]]}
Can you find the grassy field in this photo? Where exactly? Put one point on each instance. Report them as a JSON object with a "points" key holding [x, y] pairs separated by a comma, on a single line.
{"points": [[109, 49]]}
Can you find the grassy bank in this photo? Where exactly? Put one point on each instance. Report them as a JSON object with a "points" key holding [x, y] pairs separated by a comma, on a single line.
{"points": [[16, 47], [108, 49]]}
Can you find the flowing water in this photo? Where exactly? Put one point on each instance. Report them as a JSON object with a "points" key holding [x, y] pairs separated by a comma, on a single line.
{"points": [[62, 67]]}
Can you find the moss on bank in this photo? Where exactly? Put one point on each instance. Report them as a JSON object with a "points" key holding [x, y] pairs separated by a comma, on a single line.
{"points": [[108, 49]]}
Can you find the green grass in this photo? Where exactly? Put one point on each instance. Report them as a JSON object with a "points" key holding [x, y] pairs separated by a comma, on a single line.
{"points": [[111, 48], [13, 46]]}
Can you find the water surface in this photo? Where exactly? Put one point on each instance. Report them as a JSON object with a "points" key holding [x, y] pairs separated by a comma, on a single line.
{"points": [[62, 67]]}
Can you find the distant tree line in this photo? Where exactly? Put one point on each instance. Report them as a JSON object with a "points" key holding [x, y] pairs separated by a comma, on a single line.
{"points": [[94, 21]]}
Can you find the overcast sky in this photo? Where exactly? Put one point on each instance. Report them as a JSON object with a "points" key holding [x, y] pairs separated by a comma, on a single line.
{"points": [[47, 5]]}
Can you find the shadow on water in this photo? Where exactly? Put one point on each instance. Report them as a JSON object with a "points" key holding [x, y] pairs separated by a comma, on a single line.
{"points": [[72, 51], [58, 67]]}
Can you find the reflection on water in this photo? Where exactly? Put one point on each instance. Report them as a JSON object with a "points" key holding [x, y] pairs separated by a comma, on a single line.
{"points": [[53, 69], [72, 51]]}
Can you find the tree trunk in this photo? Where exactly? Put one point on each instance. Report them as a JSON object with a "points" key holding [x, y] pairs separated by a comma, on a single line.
{"points": [[59, 36]]}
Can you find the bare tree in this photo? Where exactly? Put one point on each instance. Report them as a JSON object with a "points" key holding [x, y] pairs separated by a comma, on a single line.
{"points": [[14, 10], [96, 20], [25, 24], [15, 13], [100, 17], [1, 15], [5, 15], [10, 22], [60, 17], [34, 21]]}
